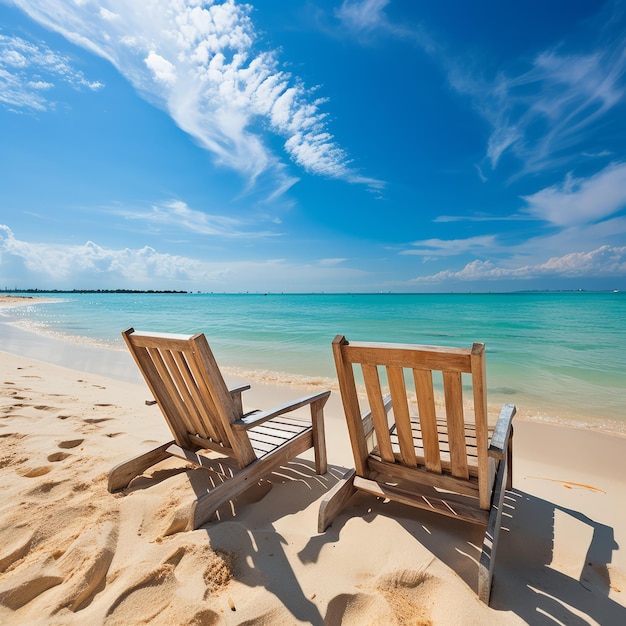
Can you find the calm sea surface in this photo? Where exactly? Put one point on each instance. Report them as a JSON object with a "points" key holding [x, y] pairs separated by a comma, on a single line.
{"points": [[557, 354]]}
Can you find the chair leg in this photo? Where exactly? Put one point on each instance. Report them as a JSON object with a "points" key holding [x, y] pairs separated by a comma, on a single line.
{"points": [[509, 452], [335, 500], [490, 542], [319, 436], [122, 474]]}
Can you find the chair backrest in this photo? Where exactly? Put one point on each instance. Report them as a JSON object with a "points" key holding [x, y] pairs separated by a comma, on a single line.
{"points": [[409, 369], [186, 382]]}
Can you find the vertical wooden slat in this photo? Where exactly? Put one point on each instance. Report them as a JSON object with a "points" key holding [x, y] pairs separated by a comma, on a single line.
{"points": [[428, 419], [205, 369], [209, 426], [181, 415], [158, 388], [453, 393], [189, 406], [379, 415], [479, 384], [401, 414], [350, 403]]}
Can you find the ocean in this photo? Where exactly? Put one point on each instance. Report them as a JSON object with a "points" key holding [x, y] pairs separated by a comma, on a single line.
{"points": [[557, 356]]}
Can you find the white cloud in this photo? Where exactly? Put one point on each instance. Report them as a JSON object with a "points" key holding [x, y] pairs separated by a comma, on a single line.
{"points": [[199, 61], [451, 247], [176, 215], [605, 261], [59, 266], [581, 201], [162, 69], [544, 113], [24, 65], [362, 15]]}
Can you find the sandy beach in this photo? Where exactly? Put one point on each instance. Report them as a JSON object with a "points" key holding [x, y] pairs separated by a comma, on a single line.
{"points": [[72, 553]]}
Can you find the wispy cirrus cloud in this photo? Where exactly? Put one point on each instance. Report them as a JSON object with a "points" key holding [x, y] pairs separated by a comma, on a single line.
{"points": [[29, 73], [363, 15], [542, 114], [451, 247], [577, 201], [202, 63], [176, 215]]}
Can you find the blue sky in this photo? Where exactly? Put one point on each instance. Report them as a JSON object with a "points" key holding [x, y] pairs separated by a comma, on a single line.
{"points": [[312, 145]]}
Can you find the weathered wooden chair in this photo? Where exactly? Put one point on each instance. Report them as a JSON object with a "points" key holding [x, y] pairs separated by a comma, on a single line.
{"points": [[404, 452], [204, 415]]}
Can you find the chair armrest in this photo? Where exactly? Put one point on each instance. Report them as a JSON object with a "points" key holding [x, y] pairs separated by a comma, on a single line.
{"points": [[238, 390], [235, 394], [258, 418], [500, 439]]}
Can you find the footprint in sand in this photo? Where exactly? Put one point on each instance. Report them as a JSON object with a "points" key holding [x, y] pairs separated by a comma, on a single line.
{"points": [[94, 420], [70, 443], [58, 456], [34, 472]]}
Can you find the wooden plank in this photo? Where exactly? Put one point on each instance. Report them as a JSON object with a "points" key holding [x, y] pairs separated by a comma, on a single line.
{"points": [[123, 473], [377, 408], [208, 504], [487, 560], [500, 438], [397, 387], [169, 386], [335, 500], [213, 388], [421, 476], [261, 416], [208, 444], [319, 435], [427, 419], [350, 402], [408, 356], [176, 365], [479, 389], [453, 393], [203, 416], [422, 500]]}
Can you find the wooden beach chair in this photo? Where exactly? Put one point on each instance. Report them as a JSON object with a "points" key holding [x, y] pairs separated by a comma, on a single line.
{"points": [[209, 426], [416, 452]]}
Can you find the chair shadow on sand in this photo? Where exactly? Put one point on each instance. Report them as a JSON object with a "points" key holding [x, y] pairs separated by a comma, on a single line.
{"points": [[261, 559], [529, 585]]}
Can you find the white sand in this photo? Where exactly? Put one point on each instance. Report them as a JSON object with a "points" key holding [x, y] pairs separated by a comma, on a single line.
{"points": [[71, 553]]}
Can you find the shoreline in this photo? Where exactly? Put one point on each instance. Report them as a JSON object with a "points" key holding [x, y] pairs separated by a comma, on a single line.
{"points": [[104, 359]]}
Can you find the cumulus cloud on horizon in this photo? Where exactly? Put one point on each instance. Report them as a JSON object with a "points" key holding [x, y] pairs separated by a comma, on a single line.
{"points": [[85, 265], [605, 261], [91, 264]]}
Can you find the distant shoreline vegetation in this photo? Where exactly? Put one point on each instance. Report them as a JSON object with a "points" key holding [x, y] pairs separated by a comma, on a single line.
{"points": [[90, 291], [311, 293]]}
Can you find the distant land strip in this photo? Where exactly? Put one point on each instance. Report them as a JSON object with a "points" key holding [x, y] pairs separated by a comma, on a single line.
{"points": [[90, 291]]}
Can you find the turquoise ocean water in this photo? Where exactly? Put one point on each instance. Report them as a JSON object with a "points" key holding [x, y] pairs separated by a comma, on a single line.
{"points": [[555, 355]]}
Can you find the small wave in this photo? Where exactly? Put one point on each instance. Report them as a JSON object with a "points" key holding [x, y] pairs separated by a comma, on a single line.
{"points": [[44, 330], [281, 378]]}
